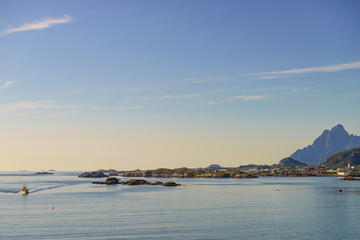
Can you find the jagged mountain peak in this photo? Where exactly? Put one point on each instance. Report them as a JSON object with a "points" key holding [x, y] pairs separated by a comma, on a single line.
{"points": [[327, 144], [339, 129]]}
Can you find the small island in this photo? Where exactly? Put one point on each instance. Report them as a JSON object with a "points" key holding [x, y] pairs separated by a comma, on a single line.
{"points": [[349, 178], [94, 174], [44, 173], [114, 180]]}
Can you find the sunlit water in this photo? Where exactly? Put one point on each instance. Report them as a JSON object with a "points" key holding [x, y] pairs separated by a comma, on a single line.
{"points": [[263, 208]]}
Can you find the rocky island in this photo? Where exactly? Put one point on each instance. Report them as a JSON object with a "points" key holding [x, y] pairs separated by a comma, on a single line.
{"points": [[190, 173], [349, 178], [113, 181], [95, 174]]}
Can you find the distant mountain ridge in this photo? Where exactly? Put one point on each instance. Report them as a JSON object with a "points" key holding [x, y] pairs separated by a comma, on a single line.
{"points": [[328, 143]]}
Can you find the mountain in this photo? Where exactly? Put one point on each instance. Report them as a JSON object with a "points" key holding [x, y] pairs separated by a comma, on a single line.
{"points": [[342, 159], [214, 166], [287, 162], [329, 143]]}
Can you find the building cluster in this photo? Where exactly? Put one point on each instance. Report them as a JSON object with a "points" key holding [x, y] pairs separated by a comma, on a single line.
{"points": [[319, 170], [347, 171]]}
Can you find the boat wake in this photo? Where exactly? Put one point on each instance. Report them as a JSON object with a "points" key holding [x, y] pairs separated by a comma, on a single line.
{"points": [[53, 187], [9, 191]]}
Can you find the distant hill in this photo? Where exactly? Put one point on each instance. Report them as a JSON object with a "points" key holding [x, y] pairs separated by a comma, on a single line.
{"points": [[214, 166], [287, 162], [343, 158], [329, 143]]}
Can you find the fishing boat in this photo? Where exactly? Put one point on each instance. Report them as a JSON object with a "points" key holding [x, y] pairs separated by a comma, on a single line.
{"points": [[24, 190]]}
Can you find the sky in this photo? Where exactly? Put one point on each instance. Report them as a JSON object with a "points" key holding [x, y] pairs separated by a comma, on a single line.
{"points": [[145, 84]]}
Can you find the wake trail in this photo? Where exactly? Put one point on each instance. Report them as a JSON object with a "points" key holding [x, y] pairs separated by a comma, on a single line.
{"points": [[54, 187]]}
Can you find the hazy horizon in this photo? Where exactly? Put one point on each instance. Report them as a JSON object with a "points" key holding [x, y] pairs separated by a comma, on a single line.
{"points": [[86, 85]]}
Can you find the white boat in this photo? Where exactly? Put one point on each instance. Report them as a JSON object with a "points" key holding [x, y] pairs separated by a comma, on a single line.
{"points": [[24, 191]]}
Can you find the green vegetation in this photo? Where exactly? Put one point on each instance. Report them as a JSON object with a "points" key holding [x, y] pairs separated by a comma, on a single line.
{"points": [[288, 162], [342, 159], [191, 173]]}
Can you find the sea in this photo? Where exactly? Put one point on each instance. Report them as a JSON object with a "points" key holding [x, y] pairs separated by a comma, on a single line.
{"points": [[63, 206]]}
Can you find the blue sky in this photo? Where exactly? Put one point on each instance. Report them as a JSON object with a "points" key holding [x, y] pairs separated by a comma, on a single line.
{"points": [[266, 74]]}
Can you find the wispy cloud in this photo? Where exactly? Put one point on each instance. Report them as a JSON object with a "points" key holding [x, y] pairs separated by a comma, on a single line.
{"points": [[26, 113], [203, 80], [181, 96], [7, 84], [190, 95], [300, 89], [44, 23], [32, 106], [65, 113], [270, 77], [117, 108], [331, 68], [248, 98], [278, 88], [242, 98]]}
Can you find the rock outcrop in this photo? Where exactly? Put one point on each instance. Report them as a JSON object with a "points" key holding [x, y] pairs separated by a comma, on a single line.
{"points": [[113, 180], [171, 184], [349, 178], [95, 174]]}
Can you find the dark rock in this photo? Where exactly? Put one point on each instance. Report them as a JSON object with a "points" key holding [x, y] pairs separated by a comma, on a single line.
{"points": [[137, 182], [350, 178], [171, 184], [98, 182], [111, 180], [96, 174], [44, 173]]}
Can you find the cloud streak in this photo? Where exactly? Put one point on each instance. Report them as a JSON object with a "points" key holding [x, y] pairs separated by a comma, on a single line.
{"points": [[248, 98], [37, 105], [278, 88], [44, 23], [204, 80], [181, 96], [117, 108], [7, 84], [242, 98], [331, 68]]}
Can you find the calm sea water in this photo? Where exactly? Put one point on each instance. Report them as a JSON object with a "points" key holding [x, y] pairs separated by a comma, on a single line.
{"points": [[263, 208]]}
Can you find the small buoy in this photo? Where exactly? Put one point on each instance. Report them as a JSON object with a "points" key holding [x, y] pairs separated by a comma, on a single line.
{"points": [[53, 208], [340, 190]]}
